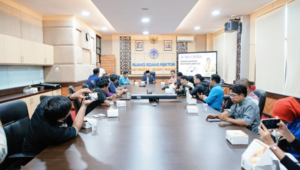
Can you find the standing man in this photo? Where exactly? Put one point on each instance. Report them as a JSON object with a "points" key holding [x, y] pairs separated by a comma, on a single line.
{"points": [[94, 77], [148, 77], [173, 79], [215, 97], [244, 110], [124, 79], [101, 70]]}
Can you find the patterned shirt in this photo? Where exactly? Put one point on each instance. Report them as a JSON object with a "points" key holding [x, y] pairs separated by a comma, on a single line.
{"points": [[173, 80], [248, 111]]}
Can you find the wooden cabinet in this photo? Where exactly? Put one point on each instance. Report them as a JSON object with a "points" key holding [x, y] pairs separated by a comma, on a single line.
{"points": [[12, 51], [27, 52], [49, 55], [56, 92], [27, 101], [2, 58], [108, 63], [16, 51], [39, 53]]}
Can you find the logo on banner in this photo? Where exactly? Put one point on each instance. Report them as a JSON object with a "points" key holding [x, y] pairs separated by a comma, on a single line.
{"points": [[153, 53]]}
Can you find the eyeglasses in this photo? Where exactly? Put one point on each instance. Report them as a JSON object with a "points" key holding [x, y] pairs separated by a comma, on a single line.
{"points": [[232, 95]]}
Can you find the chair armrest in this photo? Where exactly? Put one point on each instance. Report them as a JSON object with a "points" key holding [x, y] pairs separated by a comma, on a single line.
{"points": [[23, 155]]}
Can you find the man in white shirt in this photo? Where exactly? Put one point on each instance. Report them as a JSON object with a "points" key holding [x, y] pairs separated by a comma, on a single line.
{"points": [[101, 70]]}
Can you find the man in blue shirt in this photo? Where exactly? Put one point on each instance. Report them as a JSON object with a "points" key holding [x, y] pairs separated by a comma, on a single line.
{"points": [[215, 97], [124, 79], [148, 77], [94, 77]]}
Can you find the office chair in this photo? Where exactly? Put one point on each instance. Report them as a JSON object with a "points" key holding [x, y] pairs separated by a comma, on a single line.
{"points": [[261, 94], [85, 86], [151, 73], [15, 119], [93, 85], [75, 102]]}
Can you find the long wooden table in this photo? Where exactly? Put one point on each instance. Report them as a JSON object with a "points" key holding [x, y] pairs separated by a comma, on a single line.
{"points": [[148, 137]]}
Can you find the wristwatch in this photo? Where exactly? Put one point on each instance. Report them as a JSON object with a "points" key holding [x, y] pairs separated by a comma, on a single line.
{"points": [[69, 97]]}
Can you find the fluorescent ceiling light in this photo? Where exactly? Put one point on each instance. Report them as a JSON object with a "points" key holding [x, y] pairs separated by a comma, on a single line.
{"points": [[145, 32], [145, 20], [216, 12], [85, 13], [197, 28], [104, 28]]}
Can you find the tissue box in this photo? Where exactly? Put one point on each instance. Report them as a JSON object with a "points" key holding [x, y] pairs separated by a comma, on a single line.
{"points": [[121, 103], [136, 83], [192, 109], [112, 113], [142, 83], [237, 137], [163, 83], [192, 101], [169, 91]]}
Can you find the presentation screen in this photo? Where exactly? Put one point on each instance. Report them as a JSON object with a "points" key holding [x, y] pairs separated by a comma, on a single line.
{"points": [[204, 63]]}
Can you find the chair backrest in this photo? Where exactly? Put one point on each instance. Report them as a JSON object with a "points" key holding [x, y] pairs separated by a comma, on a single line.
{"points": [[75, 102], [93, 85], [151, 73], [84, 86], [15, 120], [261, 94]]}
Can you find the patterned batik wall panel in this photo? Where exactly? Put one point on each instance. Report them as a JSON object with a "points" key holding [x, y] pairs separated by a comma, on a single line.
{"points": [[238, 52], [180, 48], [125, 54]]}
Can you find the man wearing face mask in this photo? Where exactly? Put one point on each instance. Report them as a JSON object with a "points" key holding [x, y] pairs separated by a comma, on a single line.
{"points": [[244, 110]]}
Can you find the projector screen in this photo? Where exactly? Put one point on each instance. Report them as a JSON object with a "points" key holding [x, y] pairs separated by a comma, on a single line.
{"points": [[204, 63]]}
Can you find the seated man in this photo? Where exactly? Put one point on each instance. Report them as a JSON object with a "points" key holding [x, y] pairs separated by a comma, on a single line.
{"points": [[244, 110], [52, 124], [250, 93], [102, 87], [148, 77], [113, 89], [186, 85], [101, 70], [215, 97], [179, 74], [94, 77], [108, 93], [173, 79], [202, 86], [124, 79]]}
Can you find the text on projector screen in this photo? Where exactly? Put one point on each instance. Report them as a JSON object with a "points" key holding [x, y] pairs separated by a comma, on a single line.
{"points": [[152, 64]]}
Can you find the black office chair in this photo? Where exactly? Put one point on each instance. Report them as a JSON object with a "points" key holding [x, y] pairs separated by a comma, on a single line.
{"points": [[85, 86], [151, 73], [75, 102], [261, 94], [93, 85], [15, 120]]}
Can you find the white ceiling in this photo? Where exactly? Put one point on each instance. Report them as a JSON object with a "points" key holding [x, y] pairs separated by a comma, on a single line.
{"points": [[126, 15], [166, 16]]}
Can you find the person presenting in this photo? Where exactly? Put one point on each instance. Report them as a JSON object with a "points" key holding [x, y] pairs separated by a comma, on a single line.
{"points": [[148, 77], [291, 139], [102, 87], [209, 68], [101, 70], [215, 97], [202, 86], [244, 110], [250, 93], [94, 77], [124, 79], [52, 124], [173, 79]]}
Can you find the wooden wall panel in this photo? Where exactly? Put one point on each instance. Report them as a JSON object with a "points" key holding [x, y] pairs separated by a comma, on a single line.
{"points": [[269, 106], [108, 63]]}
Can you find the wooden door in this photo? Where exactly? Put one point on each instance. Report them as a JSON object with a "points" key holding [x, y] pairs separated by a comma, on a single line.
{"points": [[108, 63]]}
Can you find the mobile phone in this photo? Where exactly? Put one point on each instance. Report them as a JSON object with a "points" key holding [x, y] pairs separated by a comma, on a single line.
{"points": [[93, 96], [271, 123]]}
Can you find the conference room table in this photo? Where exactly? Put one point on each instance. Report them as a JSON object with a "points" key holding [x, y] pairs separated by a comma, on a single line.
{"points": [[148, 136]]}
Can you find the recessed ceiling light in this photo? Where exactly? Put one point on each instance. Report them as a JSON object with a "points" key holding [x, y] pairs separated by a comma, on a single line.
{"points": [[145, 32], [104, 28], [85, 13], [216, 12], [197, 28], [145, 20]]}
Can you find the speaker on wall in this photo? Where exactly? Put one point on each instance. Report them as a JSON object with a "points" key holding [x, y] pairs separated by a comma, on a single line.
{"points": [[231, 26]]}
